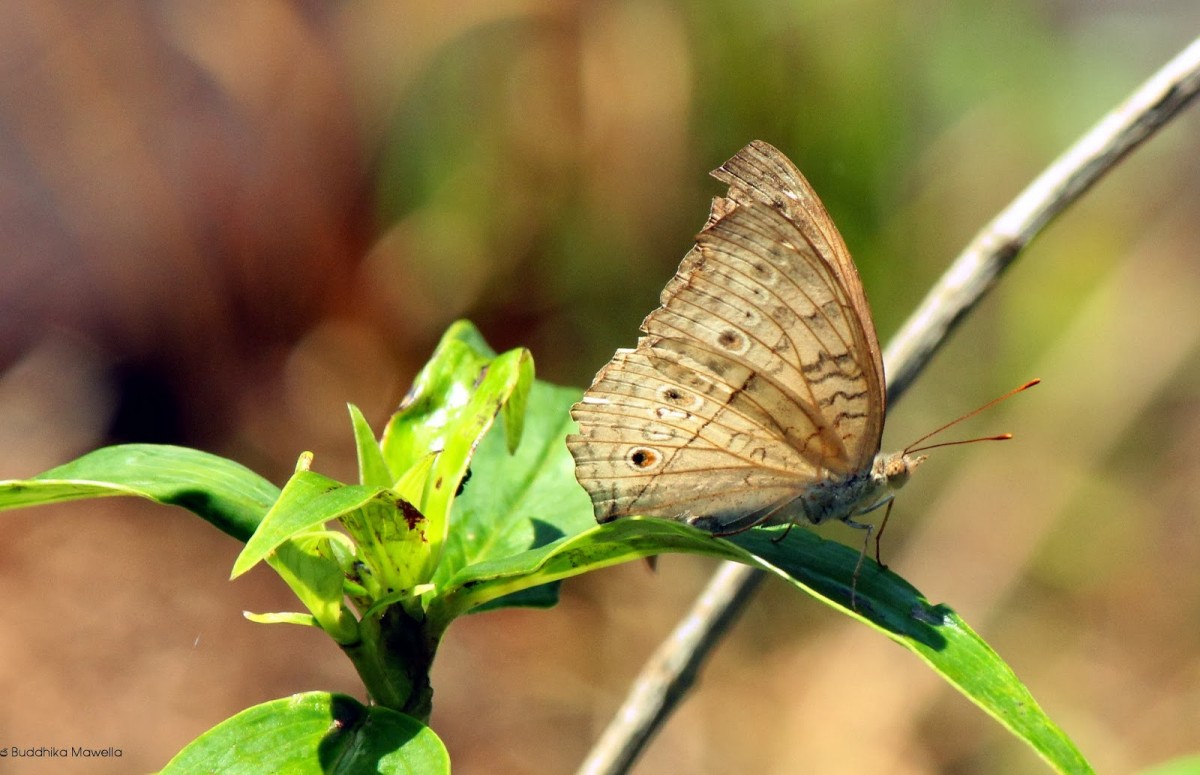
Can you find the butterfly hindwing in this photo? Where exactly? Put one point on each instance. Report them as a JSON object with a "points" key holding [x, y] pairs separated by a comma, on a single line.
{"points": [[661, 438]]}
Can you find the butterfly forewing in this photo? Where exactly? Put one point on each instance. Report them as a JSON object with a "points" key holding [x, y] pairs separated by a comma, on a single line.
{"points": [[758, 377], [759, 172]]}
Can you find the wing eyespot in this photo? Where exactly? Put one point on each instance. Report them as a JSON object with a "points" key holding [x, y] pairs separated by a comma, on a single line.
{"points": [[677, 397], [733, 341], [643, 458]]}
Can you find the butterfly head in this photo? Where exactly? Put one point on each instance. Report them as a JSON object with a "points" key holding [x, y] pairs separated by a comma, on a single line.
{"points": [[892, 469]]}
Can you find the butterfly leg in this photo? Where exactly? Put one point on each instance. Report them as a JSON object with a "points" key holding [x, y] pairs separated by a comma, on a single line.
{"points": [[879, 535], [868, 529], [755, 519], [784, 534]]}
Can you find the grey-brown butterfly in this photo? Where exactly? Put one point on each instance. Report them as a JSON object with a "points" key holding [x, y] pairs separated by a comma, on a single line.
{"points": [[757, 394]]}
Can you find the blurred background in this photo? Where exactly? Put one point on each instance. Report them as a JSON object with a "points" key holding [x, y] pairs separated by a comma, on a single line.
{"points": [[221, 222]]}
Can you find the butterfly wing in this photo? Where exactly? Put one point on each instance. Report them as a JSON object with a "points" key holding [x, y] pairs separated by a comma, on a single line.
{"points": [[755, 379], [760, 172], [661, 434]]}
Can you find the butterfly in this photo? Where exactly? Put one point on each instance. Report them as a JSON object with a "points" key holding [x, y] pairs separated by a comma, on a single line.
{"points": [[757, 394]]}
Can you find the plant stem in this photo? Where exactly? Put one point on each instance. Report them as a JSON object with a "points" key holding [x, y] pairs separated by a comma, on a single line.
{"points": [[393, 657]]}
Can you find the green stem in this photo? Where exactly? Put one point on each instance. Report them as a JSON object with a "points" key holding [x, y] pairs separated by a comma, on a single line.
{"points": [[393, 657]]}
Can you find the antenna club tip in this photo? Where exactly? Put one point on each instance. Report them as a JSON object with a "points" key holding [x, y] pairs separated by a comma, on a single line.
{"points": [[916, 445]]}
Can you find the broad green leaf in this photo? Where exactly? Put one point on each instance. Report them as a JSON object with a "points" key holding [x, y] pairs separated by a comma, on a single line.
{"points": [[230, 496], [541, 596], [372, 469], [516, 502], [317, 733]]}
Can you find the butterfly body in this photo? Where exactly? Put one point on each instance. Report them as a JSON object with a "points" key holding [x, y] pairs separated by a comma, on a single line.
{"points": [[843, 498], [757, 394]]}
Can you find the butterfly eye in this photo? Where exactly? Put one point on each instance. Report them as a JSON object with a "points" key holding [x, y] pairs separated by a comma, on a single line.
{"points": [[643, 458]]}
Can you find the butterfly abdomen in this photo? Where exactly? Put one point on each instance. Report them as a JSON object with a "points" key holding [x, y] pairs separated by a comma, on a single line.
{"points": [[835, 498]]}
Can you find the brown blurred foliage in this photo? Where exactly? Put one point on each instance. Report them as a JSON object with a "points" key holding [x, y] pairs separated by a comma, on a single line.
{"points": [[223, 221]]}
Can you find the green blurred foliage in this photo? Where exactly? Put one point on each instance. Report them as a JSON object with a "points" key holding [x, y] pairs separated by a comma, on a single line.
{"points": [[543, 170]]}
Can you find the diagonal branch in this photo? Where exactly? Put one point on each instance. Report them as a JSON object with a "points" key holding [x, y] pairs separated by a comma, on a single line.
{"points": [[672, 669], [976, 269]]}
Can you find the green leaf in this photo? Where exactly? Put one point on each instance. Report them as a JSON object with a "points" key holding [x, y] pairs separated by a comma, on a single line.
{"points": [[318, 733], [598, 547], [516, 405], [285, 617], [443, 385], [452, 404], [935, 633], [465, 332], [499, 381], [823, 569], [516, 502], [391, 538], [411, 484], [372, 469], [227, 494], [1186, 765], [306, 565], [308, 500]]}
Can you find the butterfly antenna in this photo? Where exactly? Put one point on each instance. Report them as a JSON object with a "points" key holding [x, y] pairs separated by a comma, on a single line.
{"points": [[911, 448], [997, 437]]}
